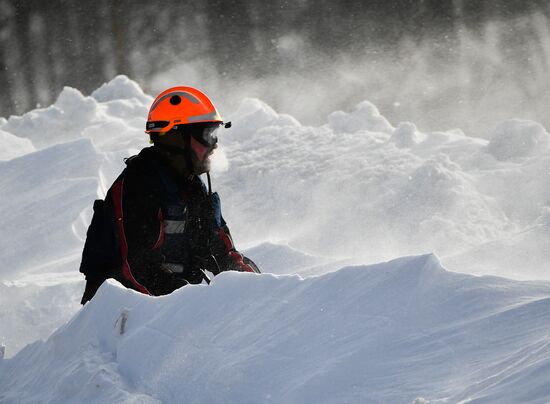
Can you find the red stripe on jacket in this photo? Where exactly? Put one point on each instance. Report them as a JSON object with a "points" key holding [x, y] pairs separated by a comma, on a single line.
{"points": [[160, 240], [126, 271], [232, 252]]}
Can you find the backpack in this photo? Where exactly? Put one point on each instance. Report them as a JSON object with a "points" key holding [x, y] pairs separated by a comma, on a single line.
{"points": [[101, 255]]}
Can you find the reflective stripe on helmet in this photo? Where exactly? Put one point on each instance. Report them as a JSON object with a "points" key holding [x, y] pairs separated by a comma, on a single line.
{"points": [[206, 117], [190, 97]]}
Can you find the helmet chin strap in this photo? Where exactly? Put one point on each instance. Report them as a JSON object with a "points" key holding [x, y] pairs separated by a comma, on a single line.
{"points": [[209, 183]]}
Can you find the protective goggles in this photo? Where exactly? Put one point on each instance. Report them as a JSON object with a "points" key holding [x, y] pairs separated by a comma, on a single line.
{"points": [[201, 132], [206, 136]]}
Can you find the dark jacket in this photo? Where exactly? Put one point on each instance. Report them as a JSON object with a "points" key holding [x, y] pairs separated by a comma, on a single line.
{"points": [[159, 231]]}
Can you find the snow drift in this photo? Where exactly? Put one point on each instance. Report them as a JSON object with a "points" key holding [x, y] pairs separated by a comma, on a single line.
{"points": [[354, 187], [301, 200], [390, 332]]}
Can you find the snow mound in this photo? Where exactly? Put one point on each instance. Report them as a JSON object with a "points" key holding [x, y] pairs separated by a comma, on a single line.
{"points": [[414, 192], [48, 190], [390, 332], [34, 306], [63, 121], [518, 138], [256, 115], [407, 135], [121, 88], [282, 259], [113, 117], [366, 117], [13, 146]]}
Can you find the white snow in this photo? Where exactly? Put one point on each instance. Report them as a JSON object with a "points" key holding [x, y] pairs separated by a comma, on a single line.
{"points": [[13, 146], [390, 332], [365, 118], [378, 194], [301, 200], [519, 138]]}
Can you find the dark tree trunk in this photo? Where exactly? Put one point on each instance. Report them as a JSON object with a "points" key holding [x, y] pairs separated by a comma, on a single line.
{"points": [[6, 31], [120, 38], [23, 42]]}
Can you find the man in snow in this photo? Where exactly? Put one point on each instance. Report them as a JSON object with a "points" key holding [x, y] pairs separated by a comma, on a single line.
{"points": [[159, 228]]}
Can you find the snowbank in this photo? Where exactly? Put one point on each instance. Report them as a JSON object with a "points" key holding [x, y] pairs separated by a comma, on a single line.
{"points": [[303, 199], [47, 192], [34, 306], [13, 146], [390, 332], [113, 117], [519, 138], [366, 117], [360, 187]]}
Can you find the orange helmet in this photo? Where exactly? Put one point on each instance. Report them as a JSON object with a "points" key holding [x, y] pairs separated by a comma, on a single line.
{"points": [[180, 106]]}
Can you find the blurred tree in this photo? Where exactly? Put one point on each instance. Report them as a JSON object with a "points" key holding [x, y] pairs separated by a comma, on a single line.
{"points": [[6, 32], [120, 16], [80, 43], [228, 25], [22, 18]]}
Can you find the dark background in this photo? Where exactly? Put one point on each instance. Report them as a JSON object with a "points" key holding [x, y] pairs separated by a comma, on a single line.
{"points": [[438, 63]]}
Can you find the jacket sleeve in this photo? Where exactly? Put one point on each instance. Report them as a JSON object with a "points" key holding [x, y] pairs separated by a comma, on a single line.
{"points": [[227, 256], [140, 231], [221, 246]]}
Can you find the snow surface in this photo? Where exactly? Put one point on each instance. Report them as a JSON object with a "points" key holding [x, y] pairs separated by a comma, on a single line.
{"points": [[300, 200], [13, 146], [390, 332]]}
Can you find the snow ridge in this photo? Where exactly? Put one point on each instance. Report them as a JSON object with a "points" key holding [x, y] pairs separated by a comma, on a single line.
{"points": [[390, 332]]}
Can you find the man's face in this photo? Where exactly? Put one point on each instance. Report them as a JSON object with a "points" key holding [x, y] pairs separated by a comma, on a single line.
{"points": [[202, 141], [201, 156]]}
